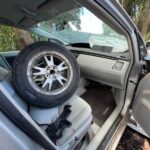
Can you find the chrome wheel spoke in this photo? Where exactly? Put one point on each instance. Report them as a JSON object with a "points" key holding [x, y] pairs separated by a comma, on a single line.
{"points": [[61, 66], [35, 78], [45, 83], [49, 62], [41, 71], [60, 79], [48, 82], [50, 72]]}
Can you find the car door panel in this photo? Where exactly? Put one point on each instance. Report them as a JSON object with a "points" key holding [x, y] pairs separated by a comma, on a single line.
{"points": [[141, 104]]}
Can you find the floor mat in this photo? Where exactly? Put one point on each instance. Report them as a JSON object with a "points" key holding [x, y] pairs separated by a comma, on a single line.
{"points": [[101, 100]]}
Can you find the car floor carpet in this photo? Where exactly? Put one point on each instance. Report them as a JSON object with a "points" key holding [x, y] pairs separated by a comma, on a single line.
{"points": [[102, 102]]}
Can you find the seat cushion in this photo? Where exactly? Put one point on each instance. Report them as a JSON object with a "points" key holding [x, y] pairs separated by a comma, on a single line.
{"points": [[81, 118]]}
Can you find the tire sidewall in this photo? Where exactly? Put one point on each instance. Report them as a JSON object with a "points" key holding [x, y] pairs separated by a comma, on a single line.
{"points": [[23, 85]]}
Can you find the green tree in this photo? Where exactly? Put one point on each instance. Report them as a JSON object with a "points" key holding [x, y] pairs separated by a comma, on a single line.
{"points": [[140, 13], [7, 38], [16, 39]]}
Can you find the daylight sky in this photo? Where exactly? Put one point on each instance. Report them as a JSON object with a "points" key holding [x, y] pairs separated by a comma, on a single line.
{"points": [[89, 23]]}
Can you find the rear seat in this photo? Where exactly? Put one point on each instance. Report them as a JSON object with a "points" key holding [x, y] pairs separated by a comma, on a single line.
{"points": [[80, 117]]}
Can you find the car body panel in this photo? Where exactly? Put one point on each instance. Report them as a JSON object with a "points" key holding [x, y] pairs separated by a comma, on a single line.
{"points": [[113, 8], [141, 104]]}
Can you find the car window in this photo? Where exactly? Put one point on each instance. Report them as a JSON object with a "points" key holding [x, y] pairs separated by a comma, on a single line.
{"points": [[82, 26], [142, 46], [13, 39]]}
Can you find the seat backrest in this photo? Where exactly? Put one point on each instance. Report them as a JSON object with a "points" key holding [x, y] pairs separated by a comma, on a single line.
{"points": [[16, 109], [34, 120]]}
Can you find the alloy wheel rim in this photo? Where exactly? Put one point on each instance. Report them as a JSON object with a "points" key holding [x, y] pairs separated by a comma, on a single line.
{"points": [[49, 72]]}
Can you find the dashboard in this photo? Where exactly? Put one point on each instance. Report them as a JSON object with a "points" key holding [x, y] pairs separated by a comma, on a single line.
{"points": [[109, 71]]}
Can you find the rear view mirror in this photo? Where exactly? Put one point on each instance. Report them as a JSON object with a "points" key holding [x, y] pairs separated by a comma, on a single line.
{"points": [[60, 26]]}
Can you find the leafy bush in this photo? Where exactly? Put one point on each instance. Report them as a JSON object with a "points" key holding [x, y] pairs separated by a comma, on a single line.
{"points": [[16, 39], [7, 38]]}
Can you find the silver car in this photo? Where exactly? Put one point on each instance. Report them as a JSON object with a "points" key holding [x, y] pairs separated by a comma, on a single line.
{"points": [[113, 84]]}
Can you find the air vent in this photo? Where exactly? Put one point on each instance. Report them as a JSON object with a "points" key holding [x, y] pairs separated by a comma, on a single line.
{"points": [[118, 65]]}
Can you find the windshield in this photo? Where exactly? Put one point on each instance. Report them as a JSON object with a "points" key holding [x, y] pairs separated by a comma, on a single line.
{"points": [[82, 26]]}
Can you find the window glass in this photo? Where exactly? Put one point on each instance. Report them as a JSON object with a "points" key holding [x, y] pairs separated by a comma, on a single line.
{"points": [[142, 46], [13, 39], [82, 26]]}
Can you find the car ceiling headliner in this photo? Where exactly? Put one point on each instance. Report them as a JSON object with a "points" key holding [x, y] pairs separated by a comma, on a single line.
{"points": [[27, 13]]}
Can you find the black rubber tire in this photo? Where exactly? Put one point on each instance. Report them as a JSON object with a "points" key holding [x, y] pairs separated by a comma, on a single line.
{"points": [[23, 86]]}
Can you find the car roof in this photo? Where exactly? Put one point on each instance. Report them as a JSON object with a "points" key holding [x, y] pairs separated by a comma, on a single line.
{"points": [[27, 13]]}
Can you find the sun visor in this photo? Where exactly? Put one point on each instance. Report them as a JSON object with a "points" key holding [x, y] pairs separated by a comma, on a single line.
{"points": [[54, 7], [27, 22]]}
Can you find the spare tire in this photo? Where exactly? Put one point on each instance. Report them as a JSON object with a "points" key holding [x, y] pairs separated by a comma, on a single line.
{"points": [[45, 74]]}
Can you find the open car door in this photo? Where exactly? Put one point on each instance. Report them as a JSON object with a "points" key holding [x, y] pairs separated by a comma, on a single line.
{"points": [[141, 104]]}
